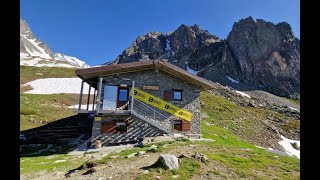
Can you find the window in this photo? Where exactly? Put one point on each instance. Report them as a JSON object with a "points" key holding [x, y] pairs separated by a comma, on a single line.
{"points": [[177, 95], [123, 94], [181, 125], [177, 125]]}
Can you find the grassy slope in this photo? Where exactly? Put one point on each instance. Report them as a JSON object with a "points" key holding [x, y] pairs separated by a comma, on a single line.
{"points": [[230, 155], [246, 122], [45, 108], [30, 73]]}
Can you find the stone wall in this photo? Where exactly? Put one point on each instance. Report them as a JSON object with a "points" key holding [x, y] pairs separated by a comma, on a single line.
{"points": [[137, 129], [165, 81]]}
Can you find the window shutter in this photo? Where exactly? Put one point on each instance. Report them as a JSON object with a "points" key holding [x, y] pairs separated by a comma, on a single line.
{"points": [[185, 125], [168, 95]]}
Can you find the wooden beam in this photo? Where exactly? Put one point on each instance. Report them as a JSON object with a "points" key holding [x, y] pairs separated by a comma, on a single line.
{"points": [[99, 94], [80, 99], [132, 97], [94, 99], [88, 101]]}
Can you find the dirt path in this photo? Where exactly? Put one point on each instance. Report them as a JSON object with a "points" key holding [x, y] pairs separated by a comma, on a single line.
{"points": [[120, 168]]}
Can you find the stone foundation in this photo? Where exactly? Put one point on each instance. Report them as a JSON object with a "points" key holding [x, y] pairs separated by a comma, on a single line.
{"points": [[137, 130]]}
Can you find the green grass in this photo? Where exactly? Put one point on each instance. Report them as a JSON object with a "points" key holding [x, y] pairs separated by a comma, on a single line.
{"points": [[245, 159], [244, 122], [236, 153], [124, 153], [230, 153], [187, 168], [47, 108], [31, 163], [30, 73], [39, 163]]}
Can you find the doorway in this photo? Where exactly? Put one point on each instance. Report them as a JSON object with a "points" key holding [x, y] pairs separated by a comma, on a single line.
{"points": [[123, 97], [115, 97]]}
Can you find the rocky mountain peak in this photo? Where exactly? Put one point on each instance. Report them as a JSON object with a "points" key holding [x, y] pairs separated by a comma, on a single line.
{"points": [[24, 27], [187, 39], [175, 46], [34, 52], [254, 52]]}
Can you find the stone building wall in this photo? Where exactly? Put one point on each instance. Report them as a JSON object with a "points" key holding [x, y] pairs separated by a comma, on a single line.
{"points": [[154, 77]]}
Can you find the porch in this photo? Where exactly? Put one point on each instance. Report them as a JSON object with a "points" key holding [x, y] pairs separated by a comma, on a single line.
{"points": [[107, 99]]}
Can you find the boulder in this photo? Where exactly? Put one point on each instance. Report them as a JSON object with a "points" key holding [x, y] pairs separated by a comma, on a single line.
{"points": [[295, 145], [131, 155], [140, 153], [200, 157], [167, 161], [153, 148]]}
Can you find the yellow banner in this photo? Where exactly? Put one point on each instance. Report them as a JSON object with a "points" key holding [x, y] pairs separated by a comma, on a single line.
{"points": [[161, 104]]}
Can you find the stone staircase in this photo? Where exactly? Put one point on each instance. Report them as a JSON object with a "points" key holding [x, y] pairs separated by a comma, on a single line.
{"points": [[152, 116], [138, 129]]}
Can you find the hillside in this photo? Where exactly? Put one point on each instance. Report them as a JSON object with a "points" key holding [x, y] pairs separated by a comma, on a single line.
{"points": [[40, 109], [232, 155]]}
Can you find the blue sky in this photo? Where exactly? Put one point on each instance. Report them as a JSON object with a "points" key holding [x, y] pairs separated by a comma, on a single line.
{"points": [[97, 31]]}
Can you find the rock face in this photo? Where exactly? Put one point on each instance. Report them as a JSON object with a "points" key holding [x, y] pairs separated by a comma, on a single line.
{"points": [[26, 45], [167, 161], [175, 46], [187, 39], [34, 52], [266, 51], [253, 53], [150, 46]]}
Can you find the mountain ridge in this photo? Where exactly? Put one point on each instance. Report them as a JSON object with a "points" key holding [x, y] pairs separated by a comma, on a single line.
{"points": [[253, 53], [34, 52]]}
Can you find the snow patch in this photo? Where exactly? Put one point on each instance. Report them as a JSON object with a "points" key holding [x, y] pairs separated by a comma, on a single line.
{"points": [[192, 71], [293, 108], [286, 144], [39, 52], [275, 151], [168, 50], [242, 94], [37, 63], [72, 60], [260, 147], [232, 80], [83, 106], [57, 85], [23, 55], [35, 55], [238, 92], [168, 47]]}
